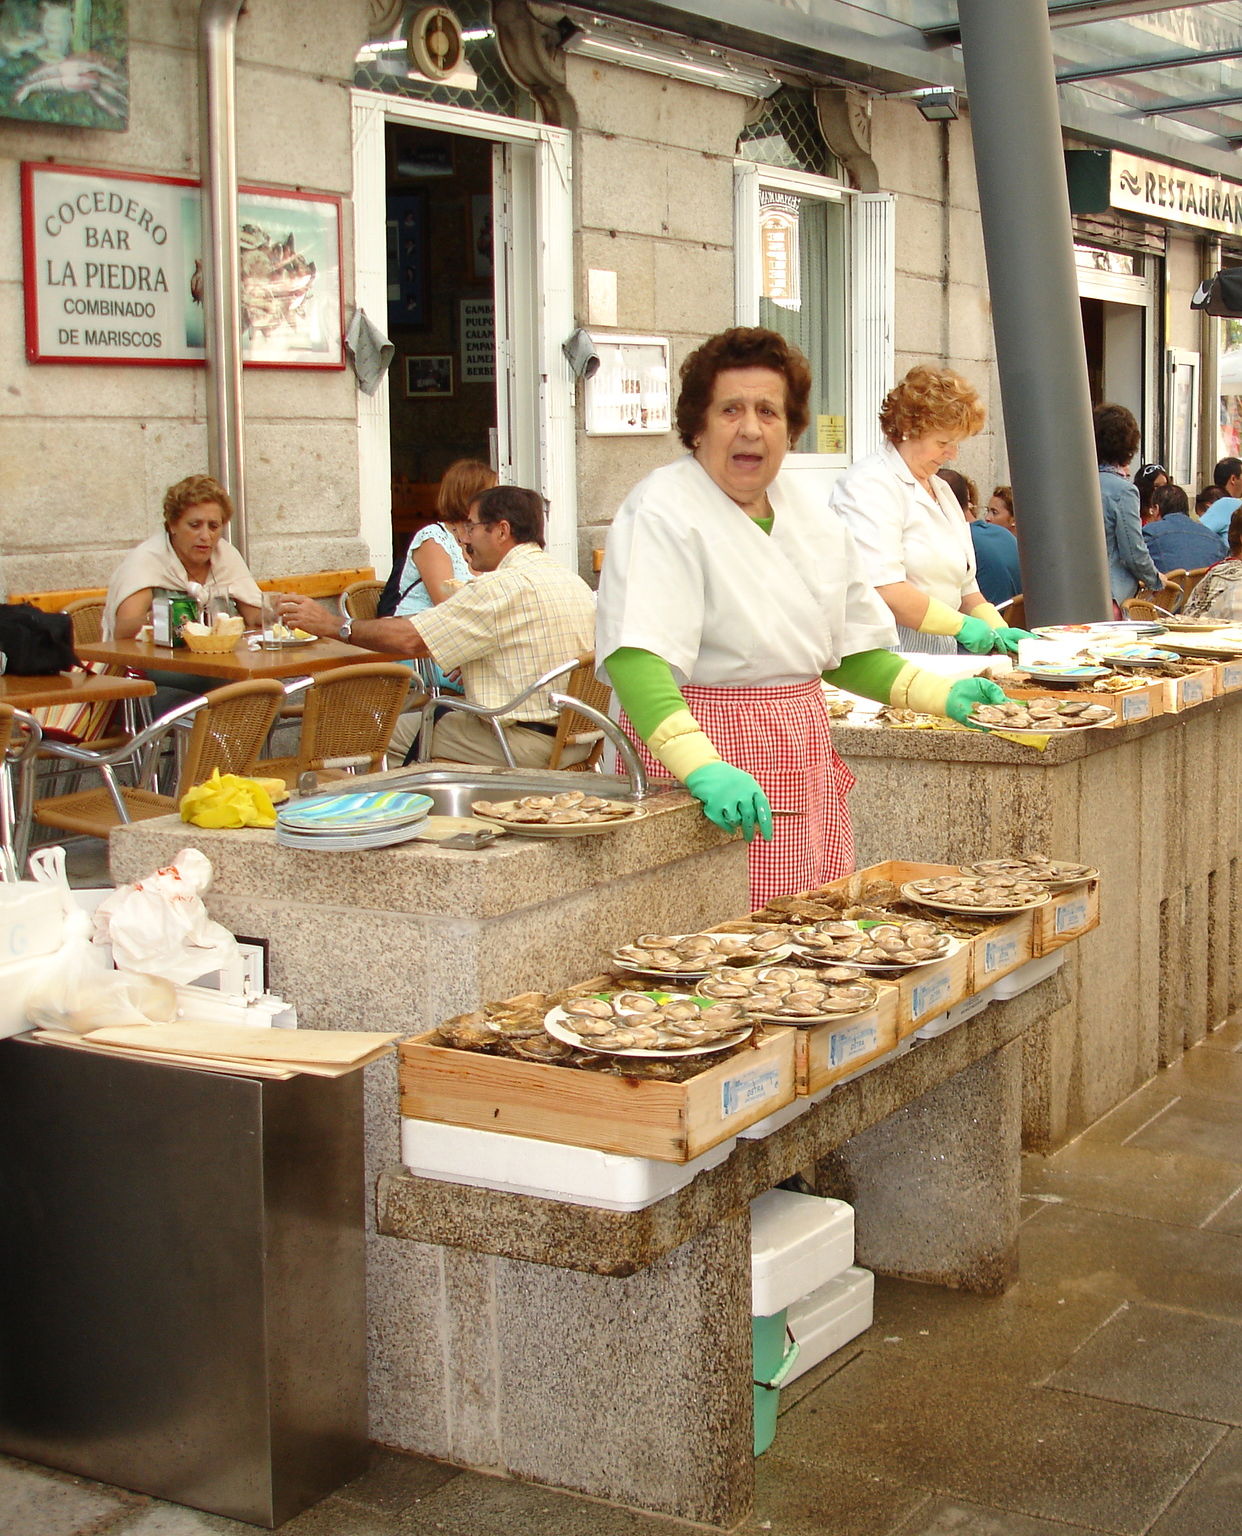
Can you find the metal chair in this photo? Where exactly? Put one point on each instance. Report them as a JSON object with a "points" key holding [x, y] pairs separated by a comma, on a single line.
{"points": [[1144, 608], [1014, 611], [579, 673], [360, 599], [17, 754], [347, 720], [229, 727]]}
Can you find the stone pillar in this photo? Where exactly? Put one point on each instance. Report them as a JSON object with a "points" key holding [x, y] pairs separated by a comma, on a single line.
{"points": [[935, 1186]]}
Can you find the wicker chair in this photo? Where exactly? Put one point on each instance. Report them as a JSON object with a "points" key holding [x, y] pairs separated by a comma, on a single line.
{"points": [[360, 599], [347, 721], [1146, 609], [571, 726], [1191, 579], [229, 727], [1014, 611]]}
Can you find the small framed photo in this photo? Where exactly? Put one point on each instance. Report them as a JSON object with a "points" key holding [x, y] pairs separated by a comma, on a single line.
{"points": [[425, 376], [481, 238]]}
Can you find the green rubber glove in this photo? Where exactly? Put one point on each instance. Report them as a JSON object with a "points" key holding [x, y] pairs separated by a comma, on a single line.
{"points": [[976, 636], [1007, 639], [731, 799], [968, 692]]}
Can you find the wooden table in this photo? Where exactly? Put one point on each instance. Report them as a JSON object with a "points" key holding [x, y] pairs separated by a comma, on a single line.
{"points": [[236, 666], [69, 688]]}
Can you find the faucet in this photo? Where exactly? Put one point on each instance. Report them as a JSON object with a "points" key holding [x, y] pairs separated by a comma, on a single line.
{"points": [[634, 769]]}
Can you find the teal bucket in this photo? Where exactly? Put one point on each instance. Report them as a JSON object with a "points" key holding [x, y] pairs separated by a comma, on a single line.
{"points": [[774, 1352]]}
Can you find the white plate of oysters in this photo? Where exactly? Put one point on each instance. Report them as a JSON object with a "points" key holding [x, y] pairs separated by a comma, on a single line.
{"points": [[569, 814], [792, 994], [694, 955], [648, 1024], [898, 945]]}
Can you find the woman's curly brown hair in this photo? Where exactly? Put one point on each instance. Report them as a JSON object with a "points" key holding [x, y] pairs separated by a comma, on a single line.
{"points": [[194, 491], [1117, 434], [931, 400], [745, 346]]}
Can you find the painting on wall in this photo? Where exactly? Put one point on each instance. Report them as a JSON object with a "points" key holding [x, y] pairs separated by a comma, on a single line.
{"points": [[428, 376], [407, 259], [65, 61]]}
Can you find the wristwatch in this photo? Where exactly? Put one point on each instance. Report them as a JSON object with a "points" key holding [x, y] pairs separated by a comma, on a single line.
{"points": [[347, 629]]}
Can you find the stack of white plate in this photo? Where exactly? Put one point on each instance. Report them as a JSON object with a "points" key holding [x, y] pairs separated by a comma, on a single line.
{"points": [[346, 822]]}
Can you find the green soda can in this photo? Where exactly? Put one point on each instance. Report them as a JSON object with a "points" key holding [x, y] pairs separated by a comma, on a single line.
{"points": [[181, 607]]}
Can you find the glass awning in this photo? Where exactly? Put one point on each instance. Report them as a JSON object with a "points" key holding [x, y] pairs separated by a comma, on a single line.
{"points": [[1163, 80]]}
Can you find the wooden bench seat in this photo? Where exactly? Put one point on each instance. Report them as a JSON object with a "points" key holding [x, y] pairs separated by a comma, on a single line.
{"points": [[318, 584]]}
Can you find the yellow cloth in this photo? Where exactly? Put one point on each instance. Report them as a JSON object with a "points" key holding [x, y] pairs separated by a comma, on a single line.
{"points": [[681, 744], [231, 801], [940, 619]]}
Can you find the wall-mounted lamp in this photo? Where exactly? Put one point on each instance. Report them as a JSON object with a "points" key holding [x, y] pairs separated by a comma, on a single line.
{"points": [[937, 103], [937, 106], [701, 64]]}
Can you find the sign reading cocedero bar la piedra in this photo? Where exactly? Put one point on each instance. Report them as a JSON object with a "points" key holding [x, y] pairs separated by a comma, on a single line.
{"points": [[113, 271], [108, 276]]}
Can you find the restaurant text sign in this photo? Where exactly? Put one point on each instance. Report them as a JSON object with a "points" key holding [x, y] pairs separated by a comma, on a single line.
{"points": [[113, 271], [1178, 196]]}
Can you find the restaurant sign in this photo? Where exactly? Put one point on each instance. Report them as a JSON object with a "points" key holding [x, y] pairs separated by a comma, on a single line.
{"points": [[114, 273], [1110, 178]]}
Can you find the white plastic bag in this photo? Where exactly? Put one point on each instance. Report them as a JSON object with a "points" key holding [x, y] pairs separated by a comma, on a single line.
{"points": [[159, 925], [79, 990]]}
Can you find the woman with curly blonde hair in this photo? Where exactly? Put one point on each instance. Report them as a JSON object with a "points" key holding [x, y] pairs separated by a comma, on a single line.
{"points": [[907, 524]]}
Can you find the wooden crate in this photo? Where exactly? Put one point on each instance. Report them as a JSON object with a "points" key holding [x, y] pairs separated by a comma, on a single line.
{"points": [[1140, 704], [1001, 949], [1228, 676], [1067, 916], [1195, 688], [930, 990], [825, 1053], [636, 1117]]}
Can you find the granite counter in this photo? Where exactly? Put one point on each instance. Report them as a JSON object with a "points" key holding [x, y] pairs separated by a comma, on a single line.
{"points": [[1153, 806]]}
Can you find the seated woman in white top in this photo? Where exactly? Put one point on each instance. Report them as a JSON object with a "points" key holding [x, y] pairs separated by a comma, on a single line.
{"points": [[191, 548]]}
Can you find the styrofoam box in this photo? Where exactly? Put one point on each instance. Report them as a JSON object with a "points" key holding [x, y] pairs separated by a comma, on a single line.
{"points": [[956, 1015], [797, 1243], [32, 920], [830, 1317], [550, 1170], [1028, 975]]}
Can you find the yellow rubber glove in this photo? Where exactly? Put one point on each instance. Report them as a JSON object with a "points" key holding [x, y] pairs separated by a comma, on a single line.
{"points": [[231, 801]]}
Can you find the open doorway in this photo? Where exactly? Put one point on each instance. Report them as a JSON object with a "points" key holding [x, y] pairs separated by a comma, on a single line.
{"points": [[442, 403]]}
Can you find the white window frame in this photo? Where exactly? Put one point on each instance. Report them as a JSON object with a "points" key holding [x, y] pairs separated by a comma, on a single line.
{"points": [[1141, 291], [535, 401], [869, 300]]}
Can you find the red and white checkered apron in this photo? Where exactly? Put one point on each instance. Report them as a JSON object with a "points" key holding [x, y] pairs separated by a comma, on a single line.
{"points": [[780, 735]]}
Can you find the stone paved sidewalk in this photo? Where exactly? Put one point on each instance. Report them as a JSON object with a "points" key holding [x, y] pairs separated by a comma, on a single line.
{"points": [[1103, 1394]]}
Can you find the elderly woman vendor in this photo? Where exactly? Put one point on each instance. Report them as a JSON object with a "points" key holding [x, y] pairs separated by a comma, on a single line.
{"points": [[914, 543], [190, 549], [727, 592]]}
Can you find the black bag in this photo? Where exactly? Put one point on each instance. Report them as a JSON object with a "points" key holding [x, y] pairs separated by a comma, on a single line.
{"points": [[1221, 295], [392, 593], [36, 644]]}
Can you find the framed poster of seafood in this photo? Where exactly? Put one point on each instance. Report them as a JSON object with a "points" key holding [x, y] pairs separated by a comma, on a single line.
{"points": [[66, 61], [114, 271]]}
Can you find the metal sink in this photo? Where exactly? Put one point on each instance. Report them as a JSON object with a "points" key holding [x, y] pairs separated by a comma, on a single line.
{"points": [[453, 788]]}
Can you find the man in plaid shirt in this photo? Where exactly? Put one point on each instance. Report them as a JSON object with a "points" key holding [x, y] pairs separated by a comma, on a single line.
{"points": [[523, 615]]}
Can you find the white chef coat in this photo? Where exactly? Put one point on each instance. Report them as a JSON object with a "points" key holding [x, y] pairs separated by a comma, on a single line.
{"points": [[903, 533], [688, 575]]}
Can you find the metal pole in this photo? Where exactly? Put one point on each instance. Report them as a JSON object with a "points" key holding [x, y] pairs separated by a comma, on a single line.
{"points": [[221, 260], [1041, 356]]}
